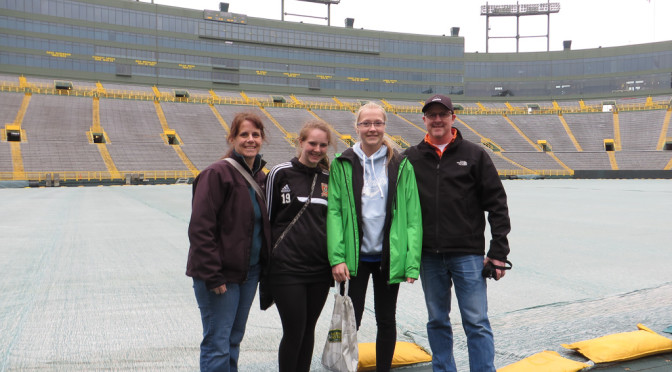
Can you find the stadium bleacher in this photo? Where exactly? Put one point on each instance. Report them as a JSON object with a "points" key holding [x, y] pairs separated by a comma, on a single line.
{"points": [[506, 166], [203, 136], [496, 128], [591, 129], [636, 160], [410, 131], [137, 122], [135, 136], [6, 163], [56, 138], [343, 124], [639, 128], [277, 148], [545, 127], [585, 160], [11, 102]]}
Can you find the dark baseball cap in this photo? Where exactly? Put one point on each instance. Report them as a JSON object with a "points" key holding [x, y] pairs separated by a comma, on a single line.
{"points": [[439, 98]]}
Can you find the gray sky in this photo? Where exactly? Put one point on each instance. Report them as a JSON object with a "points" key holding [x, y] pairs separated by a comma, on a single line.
{"points": [[588, 23]]}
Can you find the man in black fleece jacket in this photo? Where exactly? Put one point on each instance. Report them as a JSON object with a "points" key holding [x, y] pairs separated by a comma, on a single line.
{"points": [[458, 183]]}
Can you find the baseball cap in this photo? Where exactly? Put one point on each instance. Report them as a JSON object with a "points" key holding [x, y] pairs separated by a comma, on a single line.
{"points": [[439, 98]]}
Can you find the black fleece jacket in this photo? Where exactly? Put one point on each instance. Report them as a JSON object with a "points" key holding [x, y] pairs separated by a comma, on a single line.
{"points": [[456, 190]]}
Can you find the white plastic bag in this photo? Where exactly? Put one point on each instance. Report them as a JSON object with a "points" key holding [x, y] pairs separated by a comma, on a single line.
{"points": [[341, 353]]}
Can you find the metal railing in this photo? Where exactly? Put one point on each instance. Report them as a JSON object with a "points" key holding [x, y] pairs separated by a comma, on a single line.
{"points": [[100, 176], [43, 88], [88, 176], [536, 172]]}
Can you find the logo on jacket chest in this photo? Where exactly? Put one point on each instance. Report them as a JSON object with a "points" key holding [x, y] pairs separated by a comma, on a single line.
{"points": [[285, 195], [325, 190]]}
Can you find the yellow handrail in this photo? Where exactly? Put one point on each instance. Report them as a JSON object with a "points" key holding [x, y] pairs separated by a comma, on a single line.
{"points": [[538, 172], [97, 175], [43, 88], [100, 176]]}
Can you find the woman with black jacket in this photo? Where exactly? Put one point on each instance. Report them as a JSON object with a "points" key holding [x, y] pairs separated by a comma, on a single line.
{"points": [[229, 235], [300, 274]]}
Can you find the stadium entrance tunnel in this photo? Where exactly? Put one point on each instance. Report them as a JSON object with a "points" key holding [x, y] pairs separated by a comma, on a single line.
{"points": [[172, 140], [668, 144], [52, 180], [171, 137], [62, 85], [134, 178], [13, 133], [533, 107], [608, 144], [544, 145], [180, 93], [608, 106], [98, 137]]}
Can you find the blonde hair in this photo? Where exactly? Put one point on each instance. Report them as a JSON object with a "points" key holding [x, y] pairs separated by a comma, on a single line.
{"points": [[375, 106], [305, 131]]}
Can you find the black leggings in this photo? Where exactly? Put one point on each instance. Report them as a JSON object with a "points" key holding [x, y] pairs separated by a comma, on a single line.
{"points": [[385, 307], [299, 306]]}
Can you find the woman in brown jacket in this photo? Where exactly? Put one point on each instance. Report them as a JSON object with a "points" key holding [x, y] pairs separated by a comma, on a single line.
{"points": [[229, 237]]}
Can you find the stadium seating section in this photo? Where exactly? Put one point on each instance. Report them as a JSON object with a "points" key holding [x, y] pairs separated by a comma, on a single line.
{"points": [[111, 131]]}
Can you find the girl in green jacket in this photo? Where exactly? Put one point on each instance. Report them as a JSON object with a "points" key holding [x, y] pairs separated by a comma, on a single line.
{"points": [[374, 225]]}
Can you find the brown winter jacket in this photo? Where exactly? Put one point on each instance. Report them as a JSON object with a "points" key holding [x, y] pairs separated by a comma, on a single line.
{"points": [[222, 222]]}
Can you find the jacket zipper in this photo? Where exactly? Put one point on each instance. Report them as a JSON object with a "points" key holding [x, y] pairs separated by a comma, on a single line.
{"points": [[436, 197], [396, 186], [353, 216]]}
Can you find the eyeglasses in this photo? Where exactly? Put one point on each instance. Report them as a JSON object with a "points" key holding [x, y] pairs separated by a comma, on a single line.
{"points": [[368, 124], [441, 115]]}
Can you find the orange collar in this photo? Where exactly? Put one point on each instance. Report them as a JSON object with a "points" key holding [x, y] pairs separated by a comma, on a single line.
{"points": [[438, 150]]}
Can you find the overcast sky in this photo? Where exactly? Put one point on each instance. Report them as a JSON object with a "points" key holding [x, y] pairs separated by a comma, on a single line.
{"points": [[588, 23]]}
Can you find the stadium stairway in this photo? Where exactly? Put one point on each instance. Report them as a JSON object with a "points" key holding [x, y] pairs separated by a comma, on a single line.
{"points": [[172, 138], [13, 130], [98, 136]]}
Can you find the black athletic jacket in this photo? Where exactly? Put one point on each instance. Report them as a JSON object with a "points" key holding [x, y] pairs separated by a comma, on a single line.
{"points": [[455, 191], [301, 256]]}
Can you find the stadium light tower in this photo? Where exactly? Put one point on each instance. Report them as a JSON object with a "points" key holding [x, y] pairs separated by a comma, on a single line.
{"points": [[517, 11], [325, 2]]}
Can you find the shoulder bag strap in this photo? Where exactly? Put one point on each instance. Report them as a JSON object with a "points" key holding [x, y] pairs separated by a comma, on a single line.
{"points": [[305, 205], [247, 177]]}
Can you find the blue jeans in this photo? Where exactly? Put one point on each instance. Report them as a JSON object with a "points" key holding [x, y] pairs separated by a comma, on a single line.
{"points": [[437, 273], [224, 318]]}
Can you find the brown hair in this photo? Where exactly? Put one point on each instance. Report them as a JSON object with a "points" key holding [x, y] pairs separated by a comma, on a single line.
{"points": [[305, 131], [375, 106], [237, 122]]}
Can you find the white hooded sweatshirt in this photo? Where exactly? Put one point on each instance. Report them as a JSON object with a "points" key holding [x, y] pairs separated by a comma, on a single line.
{"points": [[374, 199]]}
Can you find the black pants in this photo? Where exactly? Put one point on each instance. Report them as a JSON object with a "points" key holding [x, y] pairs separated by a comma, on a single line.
{"points": [[299, 306], [385, 307]]}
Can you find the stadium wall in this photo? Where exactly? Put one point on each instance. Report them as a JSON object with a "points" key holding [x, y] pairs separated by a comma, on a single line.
{"points": [[622, 174], [131, 42]]}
